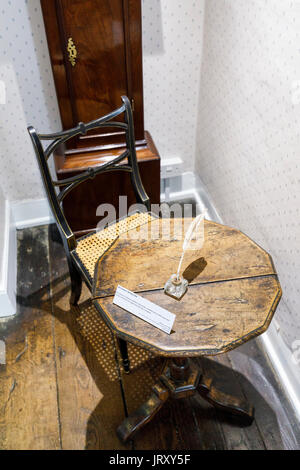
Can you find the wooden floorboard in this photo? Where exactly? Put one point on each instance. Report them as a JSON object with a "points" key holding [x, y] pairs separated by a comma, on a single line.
{"points": [[62, 383], [274, 415], [89, 395], [28, 405], [237, 436]]}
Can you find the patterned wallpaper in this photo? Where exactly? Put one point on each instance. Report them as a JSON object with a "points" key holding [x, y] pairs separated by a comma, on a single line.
{"points": [[19, 174], [26, 71], [172, 42], [172, 58], [2, 218], [248, 138]]}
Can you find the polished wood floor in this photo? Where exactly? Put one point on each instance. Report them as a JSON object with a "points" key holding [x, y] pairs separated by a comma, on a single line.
{"points": [[62, 386]]}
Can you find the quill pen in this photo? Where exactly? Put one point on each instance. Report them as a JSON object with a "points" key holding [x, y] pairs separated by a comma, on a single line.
{"points": [[195, 233]]}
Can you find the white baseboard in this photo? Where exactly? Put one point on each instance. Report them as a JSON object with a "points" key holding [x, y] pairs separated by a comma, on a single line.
{"points": [[18, 215], [189, 185], [284, 364], [8, 286], [31, 213]]}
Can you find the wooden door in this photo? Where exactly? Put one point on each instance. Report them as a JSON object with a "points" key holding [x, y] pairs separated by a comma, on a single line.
{"points": [[96, 54]]}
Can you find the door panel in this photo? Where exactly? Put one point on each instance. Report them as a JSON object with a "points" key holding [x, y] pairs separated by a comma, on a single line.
{"points": [[104, 38], [97, 30]]}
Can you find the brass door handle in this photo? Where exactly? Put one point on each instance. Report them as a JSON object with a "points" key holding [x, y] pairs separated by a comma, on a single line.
{"points": [[72, 52]]}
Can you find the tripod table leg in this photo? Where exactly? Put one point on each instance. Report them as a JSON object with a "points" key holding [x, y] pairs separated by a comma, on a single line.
{"points": [[144, 414], [224, 401]]}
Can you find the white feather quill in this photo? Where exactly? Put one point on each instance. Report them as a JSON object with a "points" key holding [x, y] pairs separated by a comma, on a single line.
{"points": [[195, 231]]}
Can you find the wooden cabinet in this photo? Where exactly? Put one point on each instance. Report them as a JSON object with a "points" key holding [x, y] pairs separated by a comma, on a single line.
{"points": [[96, 53]]}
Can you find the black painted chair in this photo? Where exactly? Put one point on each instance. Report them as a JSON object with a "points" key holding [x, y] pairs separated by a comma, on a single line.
{"points": [[82, 254]]}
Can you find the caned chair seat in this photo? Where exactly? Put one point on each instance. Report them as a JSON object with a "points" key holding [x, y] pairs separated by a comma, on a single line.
{"points": [[91, 247]]}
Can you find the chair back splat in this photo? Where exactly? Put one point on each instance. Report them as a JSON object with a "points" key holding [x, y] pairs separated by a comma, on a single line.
{"points": [[67, 185]]}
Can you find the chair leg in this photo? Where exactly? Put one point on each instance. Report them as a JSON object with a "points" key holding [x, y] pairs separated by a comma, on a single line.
{"points": [[124, 354], [76, 284]]}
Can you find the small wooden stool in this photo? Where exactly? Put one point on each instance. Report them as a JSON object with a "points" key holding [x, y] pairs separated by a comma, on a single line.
{"points": [[232, 296]]}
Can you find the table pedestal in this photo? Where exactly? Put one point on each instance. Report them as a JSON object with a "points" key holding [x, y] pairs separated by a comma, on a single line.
{"points": [[181, 378]]}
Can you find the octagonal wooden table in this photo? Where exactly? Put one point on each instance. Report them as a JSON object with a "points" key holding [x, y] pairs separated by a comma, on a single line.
{"points": [[232, 296]]}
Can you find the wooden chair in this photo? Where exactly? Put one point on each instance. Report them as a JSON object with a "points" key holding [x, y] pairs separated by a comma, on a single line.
{"points": [[82, 254]]}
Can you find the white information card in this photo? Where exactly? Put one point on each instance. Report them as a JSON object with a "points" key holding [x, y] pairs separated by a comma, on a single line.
{"points": [[144, 309]]}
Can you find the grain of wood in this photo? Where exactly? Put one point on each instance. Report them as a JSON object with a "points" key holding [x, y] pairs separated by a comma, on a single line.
{"points": [[227, 380], [189, 424], [29, 411], [277, 425], [210, 319], [89, 394], [144, 258], [232, 296]]}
